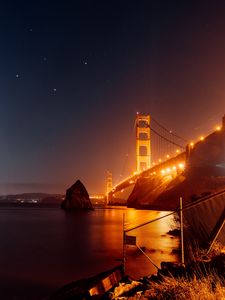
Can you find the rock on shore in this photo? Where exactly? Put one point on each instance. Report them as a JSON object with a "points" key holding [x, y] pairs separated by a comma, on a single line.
{"points": [[77, 198]]}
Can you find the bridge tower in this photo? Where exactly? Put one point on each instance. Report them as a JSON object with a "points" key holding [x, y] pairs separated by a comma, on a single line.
{"points": [[143, 143], [109, 185]]}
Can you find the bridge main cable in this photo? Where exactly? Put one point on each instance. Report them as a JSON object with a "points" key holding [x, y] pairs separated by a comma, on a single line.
{"points": [[170, 132], [180, 146]]}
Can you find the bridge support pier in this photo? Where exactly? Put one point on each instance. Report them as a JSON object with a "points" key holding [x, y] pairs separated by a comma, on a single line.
{"points": [[143, 145], [109, 186]]}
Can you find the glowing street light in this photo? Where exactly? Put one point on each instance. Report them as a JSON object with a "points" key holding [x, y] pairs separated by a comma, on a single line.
{"points": [[168, 170], [181, 166]]}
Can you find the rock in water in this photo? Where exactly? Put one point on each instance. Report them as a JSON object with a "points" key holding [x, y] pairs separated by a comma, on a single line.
{"points": [[77, 198]]}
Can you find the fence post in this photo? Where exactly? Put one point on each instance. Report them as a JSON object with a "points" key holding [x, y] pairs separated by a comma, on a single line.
{"points": [[124, 233], [182, 230]]}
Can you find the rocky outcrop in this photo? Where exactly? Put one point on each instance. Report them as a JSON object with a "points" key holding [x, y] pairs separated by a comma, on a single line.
{"points": [[90, 288], [77, 198]]}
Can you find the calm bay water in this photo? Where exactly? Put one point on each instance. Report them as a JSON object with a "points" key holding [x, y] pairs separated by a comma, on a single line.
{"points": [[43, 249]]}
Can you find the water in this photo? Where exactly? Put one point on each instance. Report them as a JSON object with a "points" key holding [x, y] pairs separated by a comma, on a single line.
{"points": [[43, 249]]}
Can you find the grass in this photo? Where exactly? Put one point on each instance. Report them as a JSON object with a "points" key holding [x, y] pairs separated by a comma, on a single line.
{"points": [[200, 285], [210, 287], [207, 288]]}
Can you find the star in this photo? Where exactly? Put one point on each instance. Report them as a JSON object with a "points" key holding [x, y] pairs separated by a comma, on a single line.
{"points": [[30, 29], [85, 63], [54, 90], [17, 75]]}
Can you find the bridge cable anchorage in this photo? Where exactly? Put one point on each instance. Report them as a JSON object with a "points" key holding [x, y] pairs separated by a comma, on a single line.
{"points": [[169, 131], [180, 146]]}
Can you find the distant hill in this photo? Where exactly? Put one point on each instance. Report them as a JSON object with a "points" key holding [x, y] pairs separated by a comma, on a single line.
{"points": [[33, 198]]}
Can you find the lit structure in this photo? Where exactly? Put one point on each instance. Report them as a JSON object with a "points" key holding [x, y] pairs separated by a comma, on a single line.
{"points": [[109, 184], [143, 143], [168, 166]]}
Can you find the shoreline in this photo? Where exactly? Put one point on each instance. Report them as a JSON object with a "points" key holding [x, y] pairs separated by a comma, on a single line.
{"points": [[171, 279]]}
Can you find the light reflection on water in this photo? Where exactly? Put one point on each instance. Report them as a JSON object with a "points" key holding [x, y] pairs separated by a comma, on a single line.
{"points": [[158, 246], [43, 249]]}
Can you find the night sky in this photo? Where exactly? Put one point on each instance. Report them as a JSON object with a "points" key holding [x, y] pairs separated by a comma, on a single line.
{"points": [[74, 73]]}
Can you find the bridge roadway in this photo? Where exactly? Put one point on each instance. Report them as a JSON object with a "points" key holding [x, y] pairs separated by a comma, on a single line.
{"points": [[174, 165], [205, 155]]}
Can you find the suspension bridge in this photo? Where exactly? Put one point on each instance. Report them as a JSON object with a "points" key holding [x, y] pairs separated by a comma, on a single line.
{"points": [[159, 152]]}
